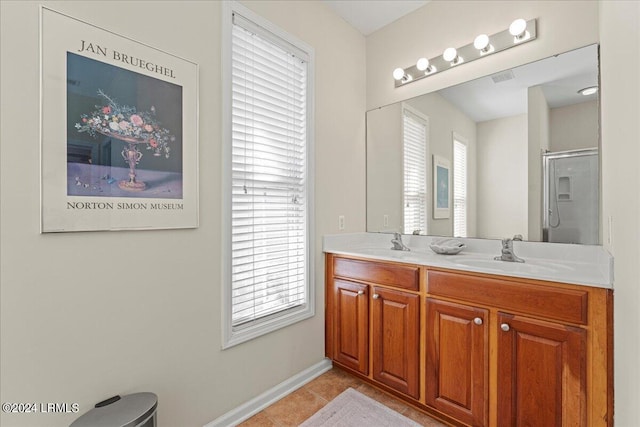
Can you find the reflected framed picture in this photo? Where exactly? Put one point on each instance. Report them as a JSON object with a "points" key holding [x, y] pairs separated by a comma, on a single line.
{"points": [[119, 136], [441, 185]]}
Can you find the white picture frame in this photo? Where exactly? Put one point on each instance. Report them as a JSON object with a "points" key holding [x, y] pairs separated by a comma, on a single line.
{"points": [[441, 187], [119, 131]]}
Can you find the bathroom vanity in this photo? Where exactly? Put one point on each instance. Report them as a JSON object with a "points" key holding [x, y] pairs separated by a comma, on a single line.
{"points": [[474, 341]]}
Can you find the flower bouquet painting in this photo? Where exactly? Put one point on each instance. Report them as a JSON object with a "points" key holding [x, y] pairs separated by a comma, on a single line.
{"points": [[135, 128], [124, 132]]}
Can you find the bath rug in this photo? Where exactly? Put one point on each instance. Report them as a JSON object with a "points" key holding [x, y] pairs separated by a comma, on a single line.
{"points": [[353, 409]]}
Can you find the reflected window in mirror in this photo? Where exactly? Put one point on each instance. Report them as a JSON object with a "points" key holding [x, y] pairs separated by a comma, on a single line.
{"points": [[460, 201], [414, 142]]}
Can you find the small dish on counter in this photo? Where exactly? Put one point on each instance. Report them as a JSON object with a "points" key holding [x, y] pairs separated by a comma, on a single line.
{"points": [[447, 246]]}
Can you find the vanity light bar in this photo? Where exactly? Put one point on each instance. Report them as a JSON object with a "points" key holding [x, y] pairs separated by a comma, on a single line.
{"points": [[519, 32]]}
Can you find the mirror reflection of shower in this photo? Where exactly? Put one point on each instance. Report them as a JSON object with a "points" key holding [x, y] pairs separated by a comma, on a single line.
{"points": [[570, 197]]}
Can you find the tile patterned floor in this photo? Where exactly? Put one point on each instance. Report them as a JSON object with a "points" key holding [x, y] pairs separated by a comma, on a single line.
{"points": [[293, 409]]}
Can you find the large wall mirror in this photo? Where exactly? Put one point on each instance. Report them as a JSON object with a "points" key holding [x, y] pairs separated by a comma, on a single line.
{"points": [[516, 152]]}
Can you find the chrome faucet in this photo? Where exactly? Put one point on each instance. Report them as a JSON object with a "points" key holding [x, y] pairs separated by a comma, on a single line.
{"points": [[398, 244], [507, 250]]}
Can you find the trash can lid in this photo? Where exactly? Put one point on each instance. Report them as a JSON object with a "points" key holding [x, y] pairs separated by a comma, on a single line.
{"points": [[125, 411]]}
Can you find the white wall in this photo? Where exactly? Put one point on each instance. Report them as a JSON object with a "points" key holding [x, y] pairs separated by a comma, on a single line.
{"points": [[574, 126], [385, 168], [502, 175], [620, 106], [77, 325]]}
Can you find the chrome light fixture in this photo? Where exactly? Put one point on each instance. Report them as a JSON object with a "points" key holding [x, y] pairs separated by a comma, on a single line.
{"points": [[520, 31]]}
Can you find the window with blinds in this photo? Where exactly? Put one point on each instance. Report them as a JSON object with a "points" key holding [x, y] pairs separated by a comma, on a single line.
{"points": [[269, 177], [415, 173], [459, 187]]}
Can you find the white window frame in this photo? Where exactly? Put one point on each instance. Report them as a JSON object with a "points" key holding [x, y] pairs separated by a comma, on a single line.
{"points": [[425, 121], [456, 138], [233, 336]]}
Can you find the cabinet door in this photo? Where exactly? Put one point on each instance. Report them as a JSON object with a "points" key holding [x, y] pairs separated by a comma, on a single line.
{"points": [[395, 335], [351, 333], [541, 373], [457, 363]]}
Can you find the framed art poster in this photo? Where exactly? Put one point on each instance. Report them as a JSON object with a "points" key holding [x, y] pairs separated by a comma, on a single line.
{"points": [[441, 184], [119, 135]]}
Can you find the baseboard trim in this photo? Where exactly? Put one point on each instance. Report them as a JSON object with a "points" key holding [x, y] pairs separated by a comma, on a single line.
{"points": [[257, 404]]}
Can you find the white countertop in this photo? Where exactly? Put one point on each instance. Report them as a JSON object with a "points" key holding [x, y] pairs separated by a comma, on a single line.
{"points": [[587, 265]]}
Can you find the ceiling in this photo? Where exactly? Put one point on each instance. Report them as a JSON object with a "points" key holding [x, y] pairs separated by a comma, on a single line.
{"points": [[368, 16], [505, 94]]}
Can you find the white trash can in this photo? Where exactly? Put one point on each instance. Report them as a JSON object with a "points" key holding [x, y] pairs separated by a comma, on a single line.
{"points": [[132, 410]]}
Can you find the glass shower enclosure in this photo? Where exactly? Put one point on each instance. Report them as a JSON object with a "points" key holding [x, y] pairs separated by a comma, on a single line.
{"points": [[571, 197]]}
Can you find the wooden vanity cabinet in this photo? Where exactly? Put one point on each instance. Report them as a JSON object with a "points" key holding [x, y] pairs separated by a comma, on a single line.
{"points": [[373, 321], [549, 349], [474, 349]]}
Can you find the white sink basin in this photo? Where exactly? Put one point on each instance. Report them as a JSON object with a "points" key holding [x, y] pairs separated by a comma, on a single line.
{"points": [[410, 257], [473, 262], [513, 267], [388, 253]]}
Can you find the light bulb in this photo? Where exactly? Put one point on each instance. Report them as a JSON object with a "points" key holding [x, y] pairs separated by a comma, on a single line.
{"points": [[518, 27], [481, 42], [588, 90], [450, 54], [398, 73], [422, 64]]}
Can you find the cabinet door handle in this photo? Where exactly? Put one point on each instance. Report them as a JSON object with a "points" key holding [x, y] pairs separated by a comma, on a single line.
{"points": [[360, 292], [477, 321], [376, 296], [505, 327]]}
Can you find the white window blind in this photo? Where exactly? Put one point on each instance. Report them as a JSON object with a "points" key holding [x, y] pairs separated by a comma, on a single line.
{"points": [[459, 188], [415, 173], [269, 196]]}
